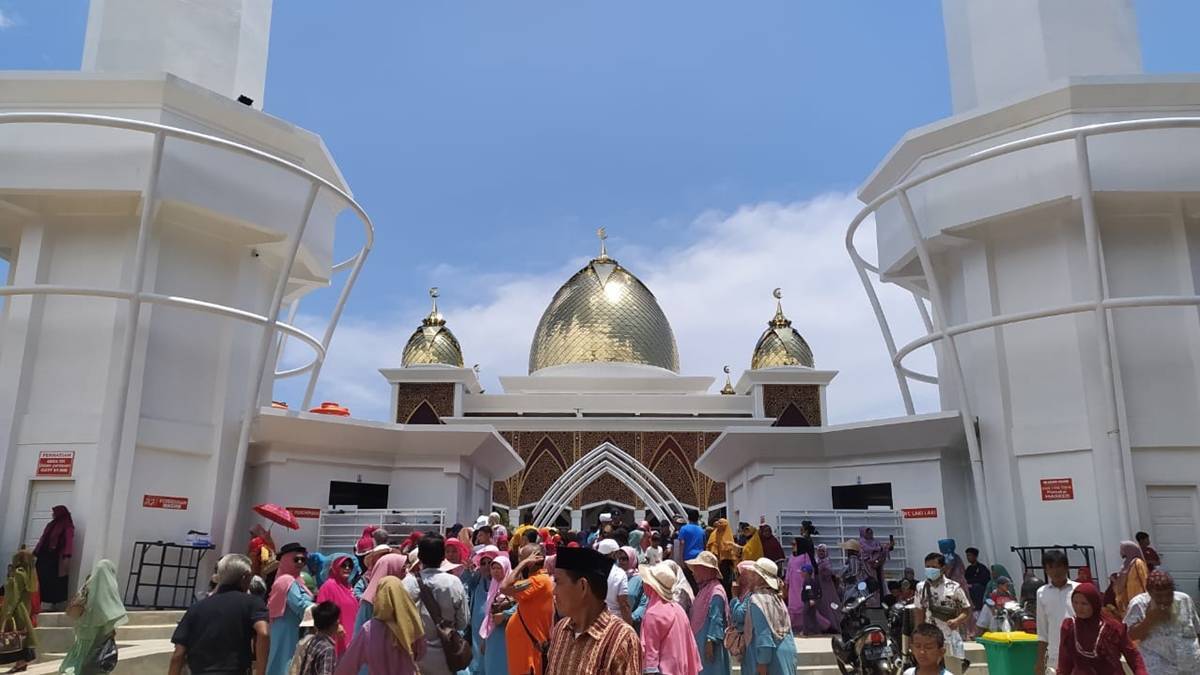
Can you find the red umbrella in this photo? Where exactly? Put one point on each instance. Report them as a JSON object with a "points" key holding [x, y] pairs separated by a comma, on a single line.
{"points": [[277, 514]]}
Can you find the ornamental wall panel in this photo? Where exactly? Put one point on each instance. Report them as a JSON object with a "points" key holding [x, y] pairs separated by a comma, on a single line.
{"points": [[669, 455], [439, 396], [806, 398]]}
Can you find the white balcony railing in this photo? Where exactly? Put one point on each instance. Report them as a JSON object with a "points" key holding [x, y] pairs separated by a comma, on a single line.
{"points": [[136, 295], [944, 334]]}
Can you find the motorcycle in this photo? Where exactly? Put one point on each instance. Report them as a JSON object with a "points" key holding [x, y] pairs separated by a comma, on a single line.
{"points": [[863, 647], [901, 621], [1014, 616]]}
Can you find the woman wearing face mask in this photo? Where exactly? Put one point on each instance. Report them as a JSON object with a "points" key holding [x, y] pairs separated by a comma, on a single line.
{"points": [[1093, 643]]}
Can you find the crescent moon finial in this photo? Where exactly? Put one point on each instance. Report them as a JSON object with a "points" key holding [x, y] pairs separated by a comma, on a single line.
{"points": [[778, 293], [726, 370]]}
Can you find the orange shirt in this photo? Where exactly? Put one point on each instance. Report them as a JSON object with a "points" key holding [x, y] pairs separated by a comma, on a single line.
{"points": [[535, 606]]}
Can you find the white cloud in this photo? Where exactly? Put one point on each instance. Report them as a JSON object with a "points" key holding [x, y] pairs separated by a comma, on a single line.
{"points": [[7, 20], [715, 288]]}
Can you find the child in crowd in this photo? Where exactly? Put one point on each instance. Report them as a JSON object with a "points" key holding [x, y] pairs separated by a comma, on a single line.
{"points": [[1003, 593], [996, 600], [316, 654], [928, 650]]}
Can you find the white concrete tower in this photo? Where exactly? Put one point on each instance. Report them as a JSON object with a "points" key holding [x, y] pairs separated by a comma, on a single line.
{"points": [[220, 45], [1065, 270], [153, 227]]}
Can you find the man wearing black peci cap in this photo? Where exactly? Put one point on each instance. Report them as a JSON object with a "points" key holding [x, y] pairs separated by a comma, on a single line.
{"points": [[589, 639]]}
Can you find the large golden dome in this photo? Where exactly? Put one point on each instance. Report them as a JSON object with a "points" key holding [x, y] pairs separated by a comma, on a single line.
{"points": [[603, 314], [780, 344], [432, 343]]}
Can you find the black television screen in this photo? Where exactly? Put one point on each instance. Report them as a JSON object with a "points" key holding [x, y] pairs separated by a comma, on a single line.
{"points": [[862, 496], [362, 495]]}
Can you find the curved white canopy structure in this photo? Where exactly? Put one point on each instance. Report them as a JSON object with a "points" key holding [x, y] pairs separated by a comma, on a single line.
{"points": [[607, 458]]}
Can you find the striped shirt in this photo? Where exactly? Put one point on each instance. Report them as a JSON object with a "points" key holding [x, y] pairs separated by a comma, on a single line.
{"points": [[608, 647]]}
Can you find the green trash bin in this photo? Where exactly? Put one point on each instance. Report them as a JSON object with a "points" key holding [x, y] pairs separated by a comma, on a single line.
{"points": [[1012, 653]]}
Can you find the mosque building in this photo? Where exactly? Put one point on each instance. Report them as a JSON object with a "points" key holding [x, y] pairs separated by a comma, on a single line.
{"points": [[161, 229], [604, 421]]}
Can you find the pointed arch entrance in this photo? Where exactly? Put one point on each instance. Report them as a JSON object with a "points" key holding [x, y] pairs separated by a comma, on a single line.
{"points": [[607, 458]]}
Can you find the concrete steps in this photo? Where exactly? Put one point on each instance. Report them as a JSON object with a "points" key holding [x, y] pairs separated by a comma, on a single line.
{"points": [[145, 646], [151, 657], [56, 635]]}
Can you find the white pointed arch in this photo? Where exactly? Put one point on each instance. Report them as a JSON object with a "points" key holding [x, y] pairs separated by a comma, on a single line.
{"points": [[607, 458]]}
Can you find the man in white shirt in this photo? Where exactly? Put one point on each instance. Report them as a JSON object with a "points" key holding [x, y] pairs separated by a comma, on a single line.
{"points": [[617, 597], [944, 603], [1053, 605]]}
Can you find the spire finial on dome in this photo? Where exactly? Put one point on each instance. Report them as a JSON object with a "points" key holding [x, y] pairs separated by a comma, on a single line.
{"points": [[602, 234], [435, 318], [728, 388], [780, 321]]}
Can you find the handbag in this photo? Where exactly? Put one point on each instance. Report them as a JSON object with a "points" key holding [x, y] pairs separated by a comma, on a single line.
{"points": [[105, 658], [735, 642], [11, 641], [454, 646], [78, 604], [940, 612]]}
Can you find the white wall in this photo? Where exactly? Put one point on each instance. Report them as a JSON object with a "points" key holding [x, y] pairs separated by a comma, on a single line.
{"points": [[295, 479], [917, 481], [1002, 48], [218, 44]]}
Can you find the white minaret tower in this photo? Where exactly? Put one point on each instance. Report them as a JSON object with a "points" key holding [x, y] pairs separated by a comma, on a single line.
{"points": [[1064, 269], [153, 227]]}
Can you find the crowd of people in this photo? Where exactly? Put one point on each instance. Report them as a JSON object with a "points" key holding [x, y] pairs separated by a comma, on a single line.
{"points": [[616, 599], [1141, 619], [39, 578]]}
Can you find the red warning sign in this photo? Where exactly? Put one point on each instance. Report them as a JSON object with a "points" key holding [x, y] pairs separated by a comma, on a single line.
{"points": [[56, 463], [304, 511], [923, 512], [161, 502], [1057, 489]]}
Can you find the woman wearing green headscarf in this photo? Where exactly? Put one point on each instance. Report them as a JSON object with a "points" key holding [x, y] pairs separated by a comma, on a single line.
{"points": [[17, 610], [100, 611]]}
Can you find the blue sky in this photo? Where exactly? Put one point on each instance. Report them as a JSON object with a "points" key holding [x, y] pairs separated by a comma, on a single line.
{"points": [[488, 140]]}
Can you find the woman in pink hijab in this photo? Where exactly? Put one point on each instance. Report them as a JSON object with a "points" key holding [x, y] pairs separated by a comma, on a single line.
{"points": [[497, 611], [667, 640], [336, 589], [286, 605], [390, 565]]}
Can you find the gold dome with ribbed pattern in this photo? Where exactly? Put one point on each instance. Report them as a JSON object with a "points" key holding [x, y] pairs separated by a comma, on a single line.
{"points": [[603, 314], [780, 344], [432, 343]]}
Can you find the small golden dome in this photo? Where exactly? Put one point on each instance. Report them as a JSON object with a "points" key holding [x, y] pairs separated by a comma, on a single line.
{"points": [[432, 343], [603, 314], [780, 344], [728, 389]]}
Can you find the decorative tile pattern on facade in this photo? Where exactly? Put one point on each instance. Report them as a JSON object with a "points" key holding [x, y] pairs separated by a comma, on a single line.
{"points": [[437, 395], [806, 398], [669, 455]]}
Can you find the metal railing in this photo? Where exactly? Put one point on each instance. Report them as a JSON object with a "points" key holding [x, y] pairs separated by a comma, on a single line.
{"points": [[1100, 304], [114, 458]]}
